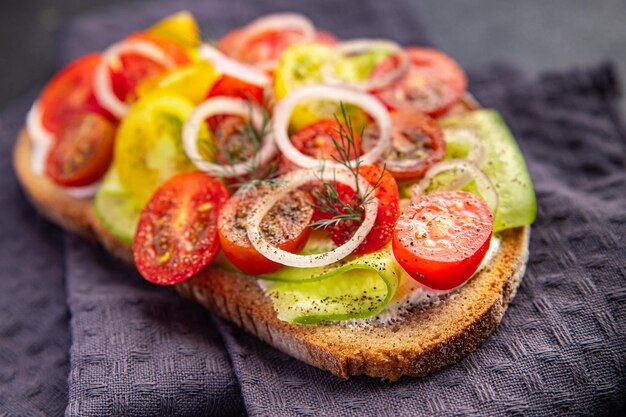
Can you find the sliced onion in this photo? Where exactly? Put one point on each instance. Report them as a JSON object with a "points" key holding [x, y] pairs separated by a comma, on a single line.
{"points": [[41, 139], [270, 23], [225, 105], [233, 68], [357, 46], [84, 192], [466, 172], [292, 181], [369, 103], [476, 154], [275, 22], [103, 88]]}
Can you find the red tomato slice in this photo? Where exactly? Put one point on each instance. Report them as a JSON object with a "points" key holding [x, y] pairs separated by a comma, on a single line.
{"points": [[230, 42], [433, 83], [316, 140], [69, 95], [388, 210], [232, 143], [441, 239], [286, 226], [83, 151], [177, 232], [417, 143], [267, 46], [133, 68], [234, 87]]}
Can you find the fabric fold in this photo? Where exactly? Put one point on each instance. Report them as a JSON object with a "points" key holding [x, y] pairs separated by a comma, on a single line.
{"points": [[139, 349], [559, 348]]}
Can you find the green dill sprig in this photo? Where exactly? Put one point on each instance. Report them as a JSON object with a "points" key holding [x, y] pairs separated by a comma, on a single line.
{"points": [[328, 200], [248, 183]]}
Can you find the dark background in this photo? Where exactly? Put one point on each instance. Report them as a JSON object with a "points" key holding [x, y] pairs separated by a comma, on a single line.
{"points": [[536, 35]]}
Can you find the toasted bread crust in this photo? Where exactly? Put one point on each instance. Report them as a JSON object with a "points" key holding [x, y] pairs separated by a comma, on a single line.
{"points": [[423, 342]]}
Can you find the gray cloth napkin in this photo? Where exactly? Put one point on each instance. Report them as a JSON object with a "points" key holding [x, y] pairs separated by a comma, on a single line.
{"points": [[34, 335], [560, 349], [138, 349]]}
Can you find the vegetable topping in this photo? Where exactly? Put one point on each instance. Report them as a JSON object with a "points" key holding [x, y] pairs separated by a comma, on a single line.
{"points": [[284, 226], [351, 125], [441, 239], [177, 232]]}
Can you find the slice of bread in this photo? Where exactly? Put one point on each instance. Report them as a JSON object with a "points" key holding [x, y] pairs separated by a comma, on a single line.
{"points": [[427, 339]]}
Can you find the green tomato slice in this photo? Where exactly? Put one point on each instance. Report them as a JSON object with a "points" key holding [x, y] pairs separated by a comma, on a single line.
{"points": [[359, 67], [505, 166], [148, 146], [115, 208], [302, 64]]}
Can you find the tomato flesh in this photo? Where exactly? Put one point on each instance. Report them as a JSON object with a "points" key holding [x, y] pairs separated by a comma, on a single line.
{"points": [[176, 235], [286, 226], [234, 87], [83, 151], [134, 68], [441, 239], [269, 45], [232, 143], [433, 83], [318, 139], [388, 210], [266, 47], [417, 143], [69, 95]]}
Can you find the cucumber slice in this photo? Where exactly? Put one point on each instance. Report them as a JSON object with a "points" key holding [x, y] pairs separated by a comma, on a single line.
{"points": [[353, 288], [504, 165], [115, 208]]}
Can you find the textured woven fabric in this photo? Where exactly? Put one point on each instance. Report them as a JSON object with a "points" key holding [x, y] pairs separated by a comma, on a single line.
{"points": [[138, 349], [560, 349], [34, 336]]}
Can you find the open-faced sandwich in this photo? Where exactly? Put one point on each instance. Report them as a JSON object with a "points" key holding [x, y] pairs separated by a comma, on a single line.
{"points": [[346, 201]]}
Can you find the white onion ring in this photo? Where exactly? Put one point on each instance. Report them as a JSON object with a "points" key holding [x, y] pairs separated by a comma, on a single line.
{"points": [[283, 109], [236, 69], [272, 22], [364, 45], [83, 192], [278, 21], [41, 139], [469, 171], [103, 88], [477, 154], [292, 181], [225, 105]]}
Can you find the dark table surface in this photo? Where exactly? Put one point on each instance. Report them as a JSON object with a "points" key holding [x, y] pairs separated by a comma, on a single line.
{"points": [[534, 34]]}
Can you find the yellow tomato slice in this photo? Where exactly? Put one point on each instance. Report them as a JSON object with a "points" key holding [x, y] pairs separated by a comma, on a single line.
{"points": [[148, 146], [180, 28], [191, 81]]}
